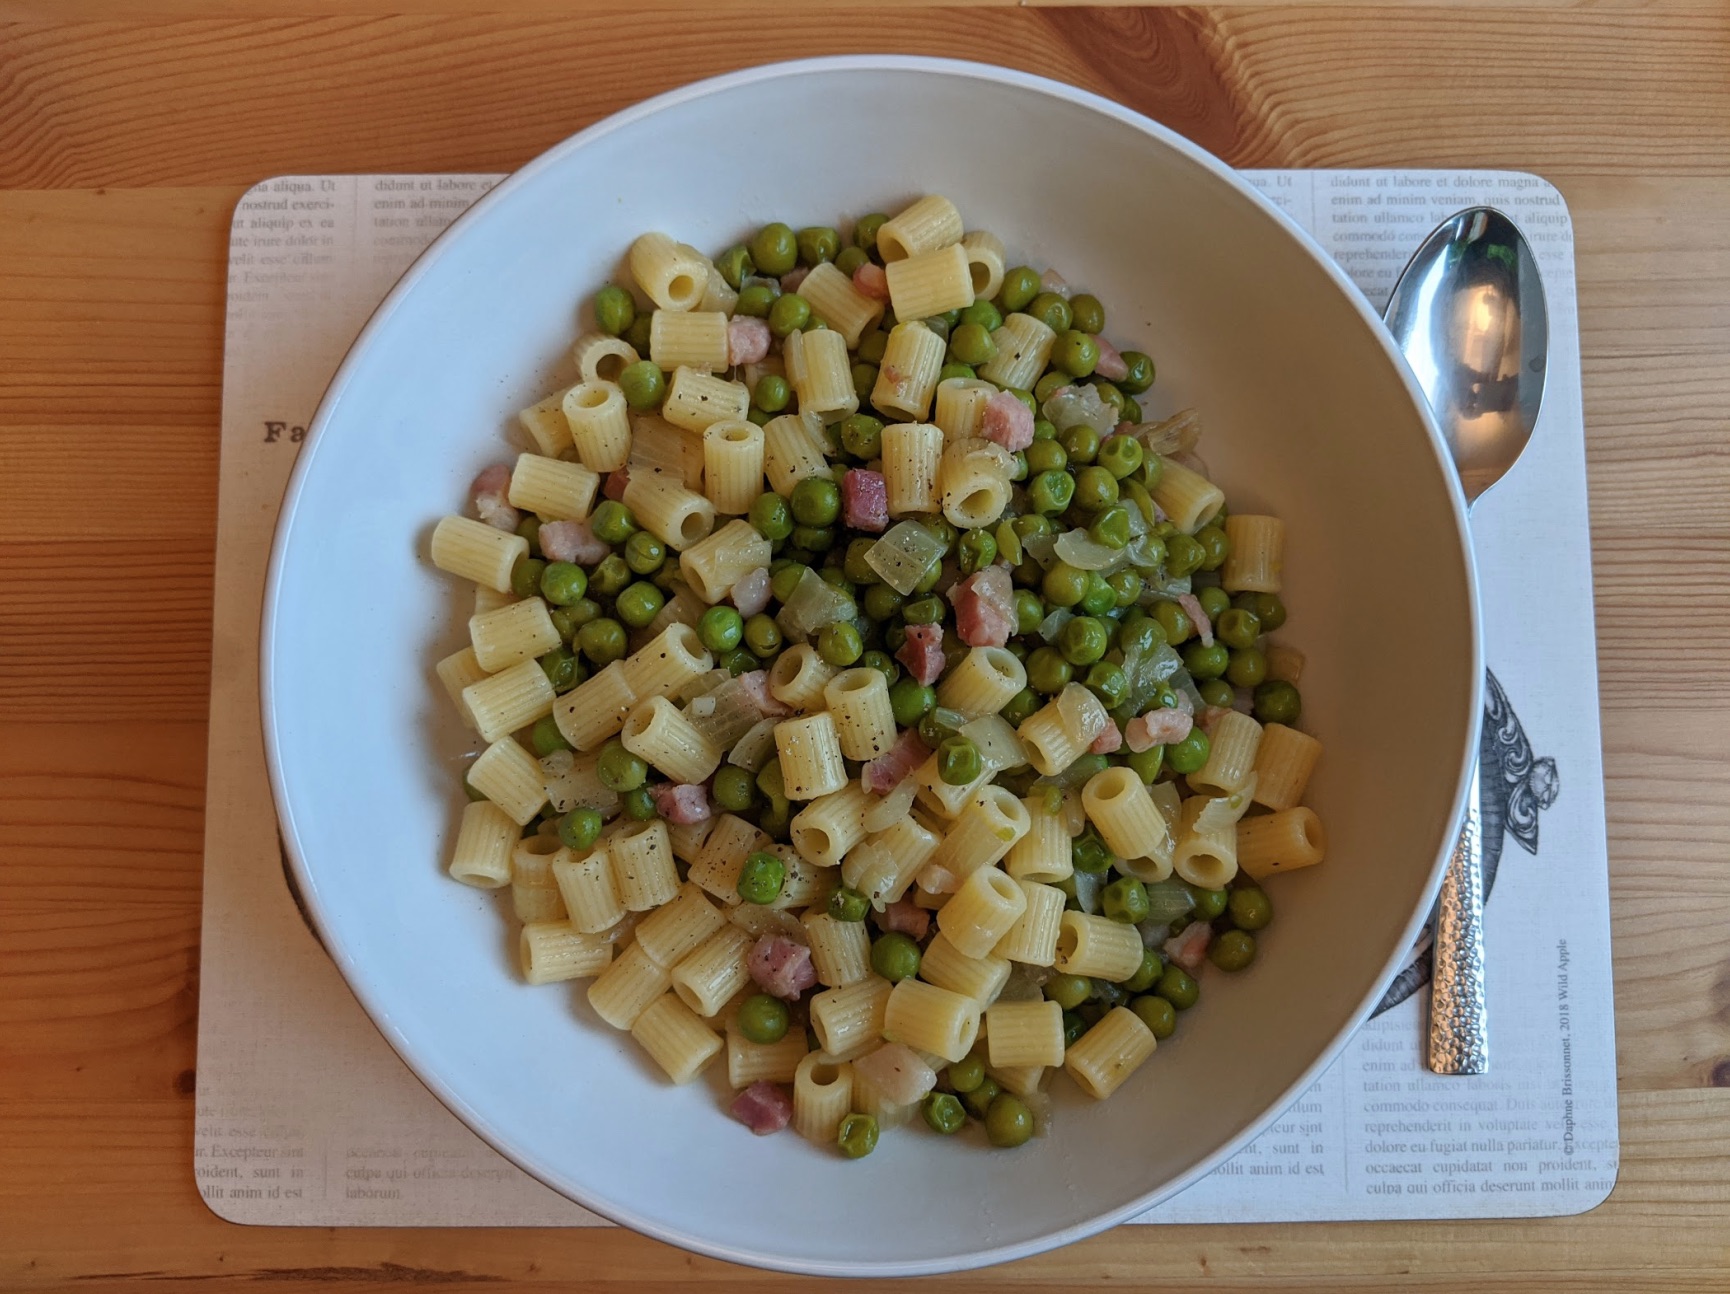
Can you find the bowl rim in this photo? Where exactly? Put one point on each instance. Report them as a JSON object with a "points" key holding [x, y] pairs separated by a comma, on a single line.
{"points": [[380, 319]]}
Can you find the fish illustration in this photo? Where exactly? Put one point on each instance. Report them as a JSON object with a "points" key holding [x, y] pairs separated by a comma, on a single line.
{"points": [[1514, 788]]}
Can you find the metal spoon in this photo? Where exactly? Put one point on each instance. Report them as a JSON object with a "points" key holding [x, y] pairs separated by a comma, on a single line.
{"points": [[1468, 314]]}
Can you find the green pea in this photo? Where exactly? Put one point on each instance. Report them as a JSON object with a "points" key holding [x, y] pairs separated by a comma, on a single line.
{"points": [[736, 265], [756, 300], [1126, 586], [1147, 974], [1120, 455], [1131, 411], [1250, 908], [1068, 991], [1155, 554], [1109, 683], [644, 553], [610, 576], [761, 878], [1125, 899], [1100, 597], [638, 604], [1138, 633], [882, 663], [850, 259], [1043, 430], [864, 379], [1074, 1026], [721, 629], [959, 762], [983, 313], [924, 611], [757, 416], [602, 641], [839, 645], [1081, 443], [775, 249], [771, 517], [816, 501], [872, 347], [1089, 853], [1216, 691], [1046, 456], [1008, 1122], [1173, 620], [911, 702], [771, 393], [1075, 353], [1248, 667], [1188, 756], [1177, 987], [848, 904], [580, 828], [971, 344], [1052, 311], [1088, 314], [1108, 392], [1267, 607], [734, 789], [762, 636], [809, 543], [1277, 701], [1095, 491], [1206, 661], [1140, 375], [784, 577], [818, 244], [1047, 386], [545, 737], [620, 770], [1237, 628], [1020, 707], [530, 529], [1083, 641], [895, 957], [1048, 672], [642, 384], [637, 336], [789, 314], [1157, 1014], [763, 1019], [978, 1099], [880, 602], [1146, 764], [739, 661], [1064, 585], [615, 310], [865, 230], [858, 1136], [562, 583], [563, 670], [954, 369], [943, 1113], [1232, 951], [1215, 547], [939, 325], [526, 575], [862, 436], [1020, 287], [1215, 601], [975, 551], [1183, 555], [612, 522]]}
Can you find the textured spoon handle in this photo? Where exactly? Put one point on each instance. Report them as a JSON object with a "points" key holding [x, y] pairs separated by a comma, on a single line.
{"points": [[1459, 1036]]}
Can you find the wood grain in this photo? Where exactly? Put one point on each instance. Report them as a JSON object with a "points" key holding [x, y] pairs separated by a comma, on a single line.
{"points": [[128, 128]]}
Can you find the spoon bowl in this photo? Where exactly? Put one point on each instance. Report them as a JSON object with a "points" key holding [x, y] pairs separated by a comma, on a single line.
{"points": [[1468, 314]]}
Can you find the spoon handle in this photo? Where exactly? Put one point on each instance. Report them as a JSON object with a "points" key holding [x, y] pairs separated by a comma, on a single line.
{"points": [[1459, 1037]]}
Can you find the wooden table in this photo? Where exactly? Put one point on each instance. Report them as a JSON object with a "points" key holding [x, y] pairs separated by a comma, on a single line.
{"points": [[125, 141]]}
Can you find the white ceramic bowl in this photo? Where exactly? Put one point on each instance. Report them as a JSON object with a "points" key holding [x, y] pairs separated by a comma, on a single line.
{"points": [[1308, 413]]}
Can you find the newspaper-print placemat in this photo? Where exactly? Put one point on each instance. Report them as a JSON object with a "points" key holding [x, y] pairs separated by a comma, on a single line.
{"points": [[307, 1117]]}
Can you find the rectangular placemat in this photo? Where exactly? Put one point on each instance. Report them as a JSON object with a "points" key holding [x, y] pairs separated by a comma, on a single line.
{"points": [[306, 1116]]}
